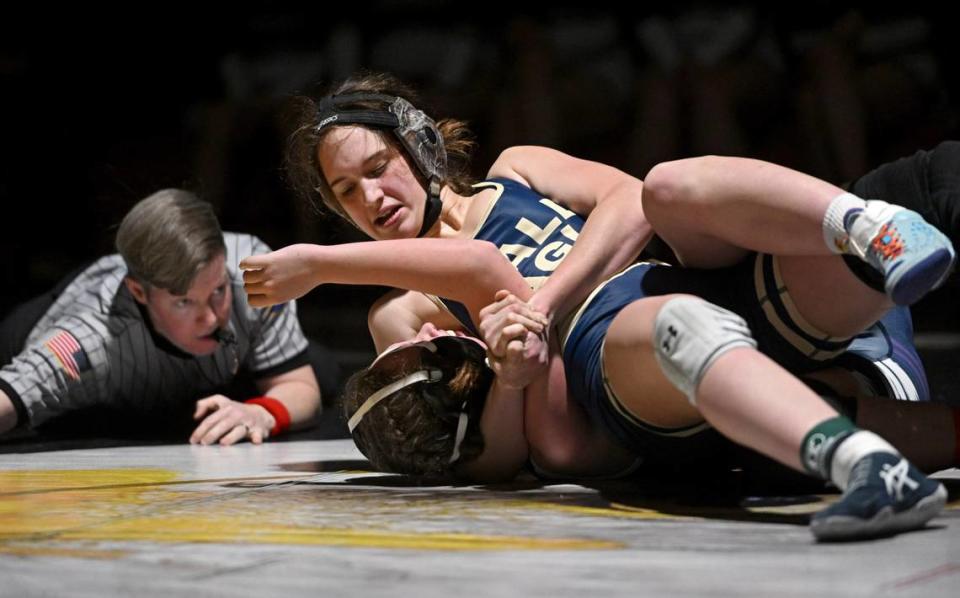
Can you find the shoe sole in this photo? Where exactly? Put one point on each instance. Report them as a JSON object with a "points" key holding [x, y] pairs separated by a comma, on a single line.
{"points": [[840, 528], [923, 277]]}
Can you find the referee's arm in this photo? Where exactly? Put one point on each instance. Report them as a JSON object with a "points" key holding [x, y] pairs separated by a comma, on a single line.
{"points": [[297, 390]]}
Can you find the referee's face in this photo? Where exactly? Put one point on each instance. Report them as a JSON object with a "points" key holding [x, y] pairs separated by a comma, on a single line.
{"points": [[190, 321]]}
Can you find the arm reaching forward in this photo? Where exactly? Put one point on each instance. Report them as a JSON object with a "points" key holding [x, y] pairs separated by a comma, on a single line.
{"points": [[465, 270]]}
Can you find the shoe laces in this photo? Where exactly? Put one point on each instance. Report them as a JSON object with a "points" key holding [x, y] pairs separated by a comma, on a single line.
{"points": [[895, 477]]}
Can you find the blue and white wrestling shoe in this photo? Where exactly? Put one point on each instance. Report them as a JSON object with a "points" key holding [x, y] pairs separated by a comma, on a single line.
{"points": [[886, 495], [913, 256]]}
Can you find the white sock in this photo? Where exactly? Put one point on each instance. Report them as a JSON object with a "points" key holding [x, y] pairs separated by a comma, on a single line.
{"points": [[840, 212], [854, 448]]}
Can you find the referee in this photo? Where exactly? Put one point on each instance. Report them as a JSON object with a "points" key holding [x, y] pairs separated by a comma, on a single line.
{"points": [[159, 335]]}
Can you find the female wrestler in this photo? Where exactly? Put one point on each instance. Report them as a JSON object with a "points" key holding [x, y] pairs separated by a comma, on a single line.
{"points": [[376, 188]]}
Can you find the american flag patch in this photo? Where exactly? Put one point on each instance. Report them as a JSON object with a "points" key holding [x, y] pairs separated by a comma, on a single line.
{"points": [[69, 353]]}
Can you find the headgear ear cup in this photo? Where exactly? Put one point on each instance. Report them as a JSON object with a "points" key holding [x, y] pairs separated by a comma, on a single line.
{"points": [[419, 134]]}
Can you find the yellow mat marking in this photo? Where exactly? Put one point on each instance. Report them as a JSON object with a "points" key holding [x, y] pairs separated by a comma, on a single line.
{"points": [[64, 512]]}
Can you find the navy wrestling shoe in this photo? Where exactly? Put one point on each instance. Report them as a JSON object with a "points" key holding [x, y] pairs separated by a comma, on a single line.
{"points": [[886, 495]]}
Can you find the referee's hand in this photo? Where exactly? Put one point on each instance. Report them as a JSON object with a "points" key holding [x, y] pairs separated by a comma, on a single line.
{"points": [[227, 421]]}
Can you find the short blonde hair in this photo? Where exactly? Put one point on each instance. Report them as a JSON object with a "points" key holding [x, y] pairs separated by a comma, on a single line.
{"points": [[168, 237]]}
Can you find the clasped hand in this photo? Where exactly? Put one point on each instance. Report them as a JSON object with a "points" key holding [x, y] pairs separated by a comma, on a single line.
{"points": [[516, 335]]}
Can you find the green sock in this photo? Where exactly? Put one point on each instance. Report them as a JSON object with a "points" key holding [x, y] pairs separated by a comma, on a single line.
{"points": [[816, 451]]}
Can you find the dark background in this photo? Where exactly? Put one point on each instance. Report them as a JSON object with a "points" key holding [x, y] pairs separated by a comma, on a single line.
{"points": [[101, 108]]}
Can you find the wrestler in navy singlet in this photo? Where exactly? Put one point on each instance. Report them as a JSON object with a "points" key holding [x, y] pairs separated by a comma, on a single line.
{"points": [[884, 354], [535, 234]]}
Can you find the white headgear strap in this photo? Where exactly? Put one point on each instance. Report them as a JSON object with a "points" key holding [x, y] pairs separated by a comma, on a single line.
{"points": [[462, 422], [429, 375]]}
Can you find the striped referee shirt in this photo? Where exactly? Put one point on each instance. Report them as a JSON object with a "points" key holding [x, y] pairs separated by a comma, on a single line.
{"points": [[93, 347]]}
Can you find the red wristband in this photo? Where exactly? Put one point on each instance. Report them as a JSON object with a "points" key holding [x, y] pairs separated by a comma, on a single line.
{"points": [[278, 410]]}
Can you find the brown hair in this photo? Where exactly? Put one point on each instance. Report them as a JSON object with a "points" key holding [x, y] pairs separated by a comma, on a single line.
{"points": [[168, 237], [303, 170], [413, 431]]}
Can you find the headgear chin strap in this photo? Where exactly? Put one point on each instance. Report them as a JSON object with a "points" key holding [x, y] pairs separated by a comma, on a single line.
{"points": [[431, 211], [417, 133]]}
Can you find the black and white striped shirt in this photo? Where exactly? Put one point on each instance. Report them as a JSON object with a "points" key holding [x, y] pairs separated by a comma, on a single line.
{"points": [[93, 347]]}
